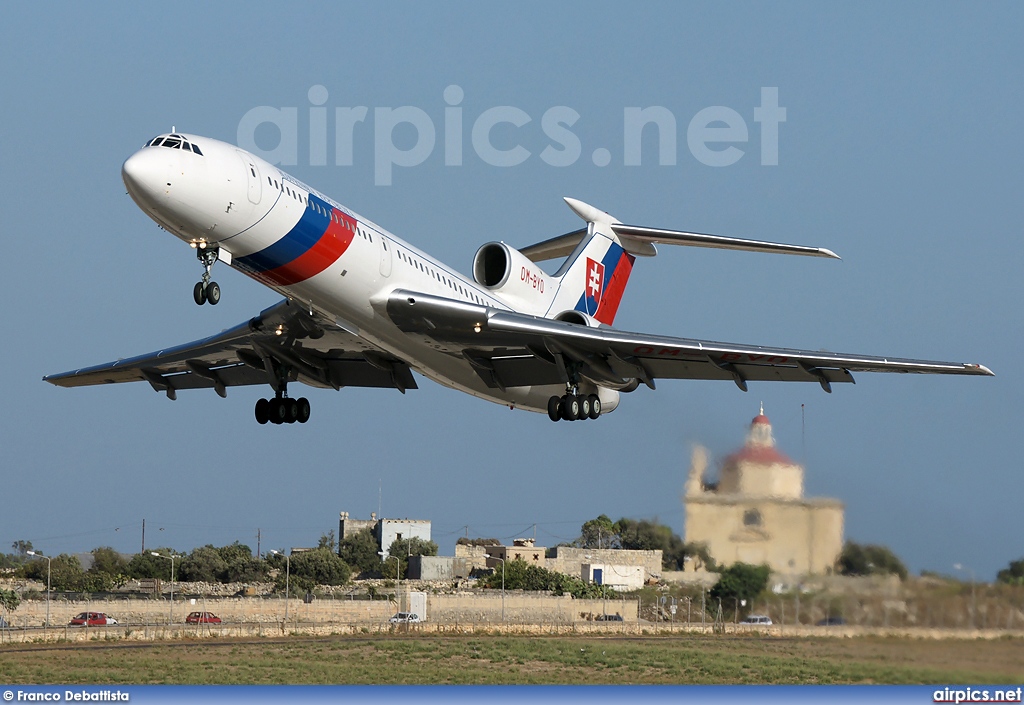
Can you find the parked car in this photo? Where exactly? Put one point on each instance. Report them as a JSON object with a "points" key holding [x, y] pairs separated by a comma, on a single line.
{"points": [[202, 618], [608, 617], [404, 617], [832, 622], [759, 619], [92, 619]]}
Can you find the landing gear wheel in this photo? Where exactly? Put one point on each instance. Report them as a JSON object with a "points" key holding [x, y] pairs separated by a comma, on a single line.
{"points": [[584, 406], [554, 408], [595, 406], [262, 411], [278, 411], [304, 410], [570, 407], [199, 293], [291, 407], [213, 293]]}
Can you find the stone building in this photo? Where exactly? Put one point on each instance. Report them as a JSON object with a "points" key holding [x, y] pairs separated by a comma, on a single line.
{"points": [[386, 531], [757, 512]]}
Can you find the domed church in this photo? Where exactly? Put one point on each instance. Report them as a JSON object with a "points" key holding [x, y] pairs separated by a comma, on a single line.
{"points": [[757, 512]]}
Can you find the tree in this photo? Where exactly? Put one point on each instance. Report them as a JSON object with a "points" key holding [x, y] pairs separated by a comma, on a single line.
{"points": [[699, 553], [599, 533], [9, 600], [740, 581], [520, 575], [360, 551], [65, 573], [204, 564], [327, 540], [106, 560], [322, 566], [143, 565], [22, 547], [870, 560], [464, 541], [1013, 575], [403, 548]]}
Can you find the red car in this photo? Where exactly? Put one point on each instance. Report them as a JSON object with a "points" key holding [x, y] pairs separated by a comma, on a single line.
{"points": [[202, 618], [92, 619]]}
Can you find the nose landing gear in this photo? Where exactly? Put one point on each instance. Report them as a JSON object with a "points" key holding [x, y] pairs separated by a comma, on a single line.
{"points": [[206, 291]]}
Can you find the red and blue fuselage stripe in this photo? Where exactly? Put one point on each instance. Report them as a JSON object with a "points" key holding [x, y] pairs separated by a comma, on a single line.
{"points": [[317, 241]]}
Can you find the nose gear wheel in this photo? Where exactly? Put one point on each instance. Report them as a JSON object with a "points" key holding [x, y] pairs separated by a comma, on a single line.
{"points": [[207, 291]]}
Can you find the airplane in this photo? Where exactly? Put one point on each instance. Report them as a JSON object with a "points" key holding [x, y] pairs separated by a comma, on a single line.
{"points": [[363, 308]]}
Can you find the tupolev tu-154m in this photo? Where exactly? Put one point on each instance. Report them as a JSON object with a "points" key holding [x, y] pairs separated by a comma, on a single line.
{"points": [[363, 308]]}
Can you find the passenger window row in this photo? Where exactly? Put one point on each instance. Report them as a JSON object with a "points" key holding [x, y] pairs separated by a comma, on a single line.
{"points": [[450, 283]]}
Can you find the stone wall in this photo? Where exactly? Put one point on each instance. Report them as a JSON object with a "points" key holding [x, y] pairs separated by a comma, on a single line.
{"points": [[523, 608]]}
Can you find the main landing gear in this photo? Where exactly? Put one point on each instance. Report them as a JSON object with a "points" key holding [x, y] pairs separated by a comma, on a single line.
{"points": [[206, 291], [282, 409], [574, 407]]}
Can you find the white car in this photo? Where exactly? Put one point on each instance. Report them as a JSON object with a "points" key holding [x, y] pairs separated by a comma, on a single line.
{"points": [[759, 619], [404, 618]]}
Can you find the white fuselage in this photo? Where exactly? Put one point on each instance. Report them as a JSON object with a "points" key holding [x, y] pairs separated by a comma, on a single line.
{"points": [[315, 251]]}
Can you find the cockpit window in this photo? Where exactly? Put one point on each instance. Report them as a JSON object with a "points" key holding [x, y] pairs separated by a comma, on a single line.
{"points": [[174, 142]]}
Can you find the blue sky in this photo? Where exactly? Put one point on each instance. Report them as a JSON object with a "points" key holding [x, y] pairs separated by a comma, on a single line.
{"points": [[900, 151]]}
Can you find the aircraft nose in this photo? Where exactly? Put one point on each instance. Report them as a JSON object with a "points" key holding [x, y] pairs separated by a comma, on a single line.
{"points": [[143, 175]]}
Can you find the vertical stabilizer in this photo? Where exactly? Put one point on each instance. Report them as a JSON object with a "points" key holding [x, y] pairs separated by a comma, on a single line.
{"points": [[593, 278]]}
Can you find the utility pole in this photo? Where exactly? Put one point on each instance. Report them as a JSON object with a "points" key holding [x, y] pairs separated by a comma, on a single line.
{"points": [[258, 537], [143, 536]]}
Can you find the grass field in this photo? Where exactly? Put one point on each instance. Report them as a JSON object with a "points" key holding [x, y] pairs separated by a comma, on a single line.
{"points": [[535, 660]]}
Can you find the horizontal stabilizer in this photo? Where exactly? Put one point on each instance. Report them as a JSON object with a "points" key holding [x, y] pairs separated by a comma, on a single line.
{"points": [[639, 234], [555, 248]]}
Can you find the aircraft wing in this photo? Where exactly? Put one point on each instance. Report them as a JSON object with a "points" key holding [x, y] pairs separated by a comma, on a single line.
{"points": [[510, 349], [283, 344]]}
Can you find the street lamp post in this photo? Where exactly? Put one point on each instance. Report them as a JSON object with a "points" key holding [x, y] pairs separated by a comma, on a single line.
{"points": [[48, 559], [974, 601], [488, 555], [170, 611], [287, 586]]}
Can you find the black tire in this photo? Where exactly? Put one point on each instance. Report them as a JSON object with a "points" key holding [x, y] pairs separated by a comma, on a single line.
{"points": [[213, 293], [570, 407], [304, 410], [199, 293], [278, 411], [291, 407], [262, 411], [584, 407], [595, 406], [554, 408]]}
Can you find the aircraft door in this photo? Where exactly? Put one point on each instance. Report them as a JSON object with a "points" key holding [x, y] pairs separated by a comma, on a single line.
{"points": [[252, 174], [385, 256]]}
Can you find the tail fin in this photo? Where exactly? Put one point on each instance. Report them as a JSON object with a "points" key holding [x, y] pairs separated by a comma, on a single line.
{"points": [[594, 276], [601, 258]]}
